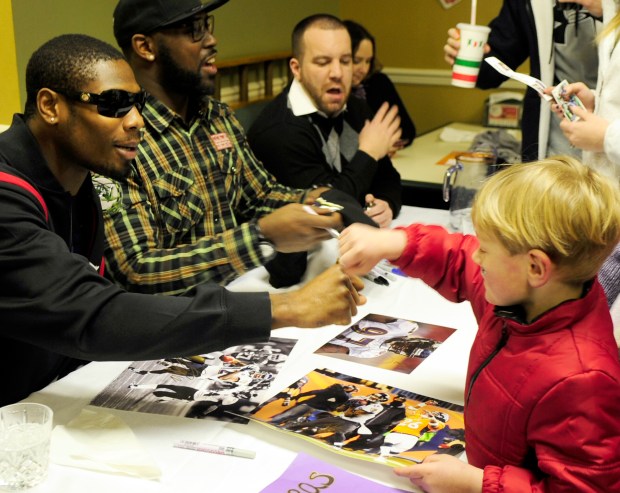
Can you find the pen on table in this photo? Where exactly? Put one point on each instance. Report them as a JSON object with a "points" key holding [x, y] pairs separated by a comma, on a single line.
{"points": [[383, 269], [215, 449], [372, 276], [386, 266], [380, 271], [332, 232]]}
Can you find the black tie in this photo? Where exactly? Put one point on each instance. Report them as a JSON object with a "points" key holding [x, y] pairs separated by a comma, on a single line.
{"points": [[326, 124]]}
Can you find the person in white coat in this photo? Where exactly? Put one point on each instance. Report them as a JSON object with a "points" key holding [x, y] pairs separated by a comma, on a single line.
{"points": [[597, 131]]}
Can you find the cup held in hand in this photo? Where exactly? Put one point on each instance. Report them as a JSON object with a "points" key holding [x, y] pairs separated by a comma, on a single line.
{"points": [[467, 63]]}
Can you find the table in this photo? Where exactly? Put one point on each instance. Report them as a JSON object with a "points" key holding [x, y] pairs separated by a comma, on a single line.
{"points": [[442, 376], [420, 174]]}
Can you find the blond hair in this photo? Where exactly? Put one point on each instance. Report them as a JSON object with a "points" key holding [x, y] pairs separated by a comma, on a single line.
{"points": [[610, 28], [556, 205]]}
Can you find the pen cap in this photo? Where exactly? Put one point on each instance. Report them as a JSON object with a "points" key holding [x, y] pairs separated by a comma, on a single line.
{"points": [[247, 454]]}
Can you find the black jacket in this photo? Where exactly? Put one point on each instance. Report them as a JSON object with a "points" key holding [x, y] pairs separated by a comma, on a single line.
{"points": [[290, 147], [55, 308], [513, 40]]}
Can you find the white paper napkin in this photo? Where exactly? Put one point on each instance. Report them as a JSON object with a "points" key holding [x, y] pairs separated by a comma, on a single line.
{"points": [[101, 441], [451, 134]]}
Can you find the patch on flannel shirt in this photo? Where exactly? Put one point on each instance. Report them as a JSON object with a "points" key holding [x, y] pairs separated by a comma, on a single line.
{"points": [[221, 141], [109, 192]]}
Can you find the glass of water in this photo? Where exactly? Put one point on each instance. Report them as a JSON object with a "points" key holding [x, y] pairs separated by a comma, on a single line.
{"points": [[25, 431]]}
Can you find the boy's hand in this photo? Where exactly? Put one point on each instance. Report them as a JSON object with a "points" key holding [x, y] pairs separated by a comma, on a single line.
{"points": [[362, 246], [443, 474]]}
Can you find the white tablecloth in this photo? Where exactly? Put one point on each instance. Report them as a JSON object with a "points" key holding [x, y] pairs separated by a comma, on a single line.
{"points": [[441, 376]]}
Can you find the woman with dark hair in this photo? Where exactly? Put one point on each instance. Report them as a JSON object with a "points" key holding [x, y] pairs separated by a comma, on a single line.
{"points": [[371, 84]]}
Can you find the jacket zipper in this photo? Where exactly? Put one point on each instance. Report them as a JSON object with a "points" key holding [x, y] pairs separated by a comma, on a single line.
{"points": [[485, 363]]}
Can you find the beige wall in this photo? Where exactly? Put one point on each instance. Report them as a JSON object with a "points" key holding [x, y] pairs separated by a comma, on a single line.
{"points": [[410, 34], [243, 27]]}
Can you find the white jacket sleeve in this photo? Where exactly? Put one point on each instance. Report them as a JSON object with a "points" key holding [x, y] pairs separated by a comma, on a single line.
{"points": [[612, 144]]}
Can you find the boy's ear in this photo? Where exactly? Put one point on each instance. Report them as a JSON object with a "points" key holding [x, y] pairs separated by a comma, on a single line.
{"points": [[540, 268]]}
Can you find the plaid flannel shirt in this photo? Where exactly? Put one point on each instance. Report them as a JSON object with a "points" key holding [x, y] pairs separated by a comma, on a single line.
{"points": [[187, 209]]}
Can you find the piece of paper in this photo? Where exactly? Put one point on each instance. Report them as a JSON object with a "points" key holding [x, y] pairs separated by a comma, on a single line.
{"points": [[101, 441], [306, 473], [451, 134], [538, 85]]}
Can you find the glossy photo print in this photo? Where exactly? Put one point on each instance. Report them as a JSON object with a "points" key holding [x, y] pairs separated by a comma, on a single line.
{"points": [[221, 384], [364, 419], [387, 342]]}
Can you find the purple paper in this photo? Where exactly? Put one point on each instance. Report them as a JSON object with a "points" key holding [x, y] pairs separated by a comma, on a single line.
{"points": [[307, 473]]}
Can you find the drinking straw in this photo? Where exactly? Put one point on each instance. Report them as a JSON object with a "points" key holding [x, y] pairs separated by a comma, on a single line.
{"points": [[472, 19]]}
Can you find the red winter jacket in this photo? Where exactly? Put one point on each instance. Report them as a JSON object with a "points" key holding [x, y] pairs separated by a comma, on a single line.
{"points": [[542, 400]]}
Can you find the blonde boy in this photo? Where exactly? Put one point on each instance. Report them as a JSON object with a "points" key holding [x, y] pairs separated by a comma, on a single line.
{"points": [[542, 396]]}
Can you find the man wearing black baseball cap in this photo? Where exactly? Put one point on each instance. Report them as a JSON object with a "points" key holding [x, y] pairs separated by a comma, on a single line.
{"points": [[199, 206], [147, 16]]}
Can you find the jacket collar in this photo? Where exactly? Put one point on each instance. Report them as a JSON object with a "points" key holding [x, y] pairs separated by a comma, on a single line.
{"points": [[20, 149], [553, 319]]}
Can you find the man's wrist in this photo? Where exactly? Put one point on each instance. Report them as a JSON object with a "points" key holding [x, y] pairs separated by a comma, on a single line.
{"points": [[282, 311], [372, 155], [266, 247]]}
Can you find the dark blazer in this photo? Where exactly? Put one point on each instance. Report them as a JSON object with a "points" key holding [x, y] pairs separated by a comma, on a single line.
{"points": [[290, 147]]}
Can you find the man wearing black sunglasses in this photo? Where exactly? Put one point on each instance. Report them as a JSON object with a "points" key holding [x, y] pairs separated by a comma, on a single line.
{"points": [[201, 207], [114, 103], [82, 114]]}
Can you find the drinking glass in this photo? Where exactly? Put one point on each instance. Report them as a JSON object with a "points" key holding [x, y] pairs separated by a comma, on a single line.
{"points": [[25, 431]]}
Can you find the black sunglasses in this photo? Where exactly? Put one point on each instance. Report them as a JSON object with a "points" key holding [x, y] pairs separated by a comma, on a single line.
{"points": [[196, 26], [113, 103]]}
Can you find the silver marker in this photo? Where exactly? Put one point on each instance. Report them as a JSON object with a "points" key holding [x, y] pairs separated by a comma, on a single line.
{"points": [[215, 449]]}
